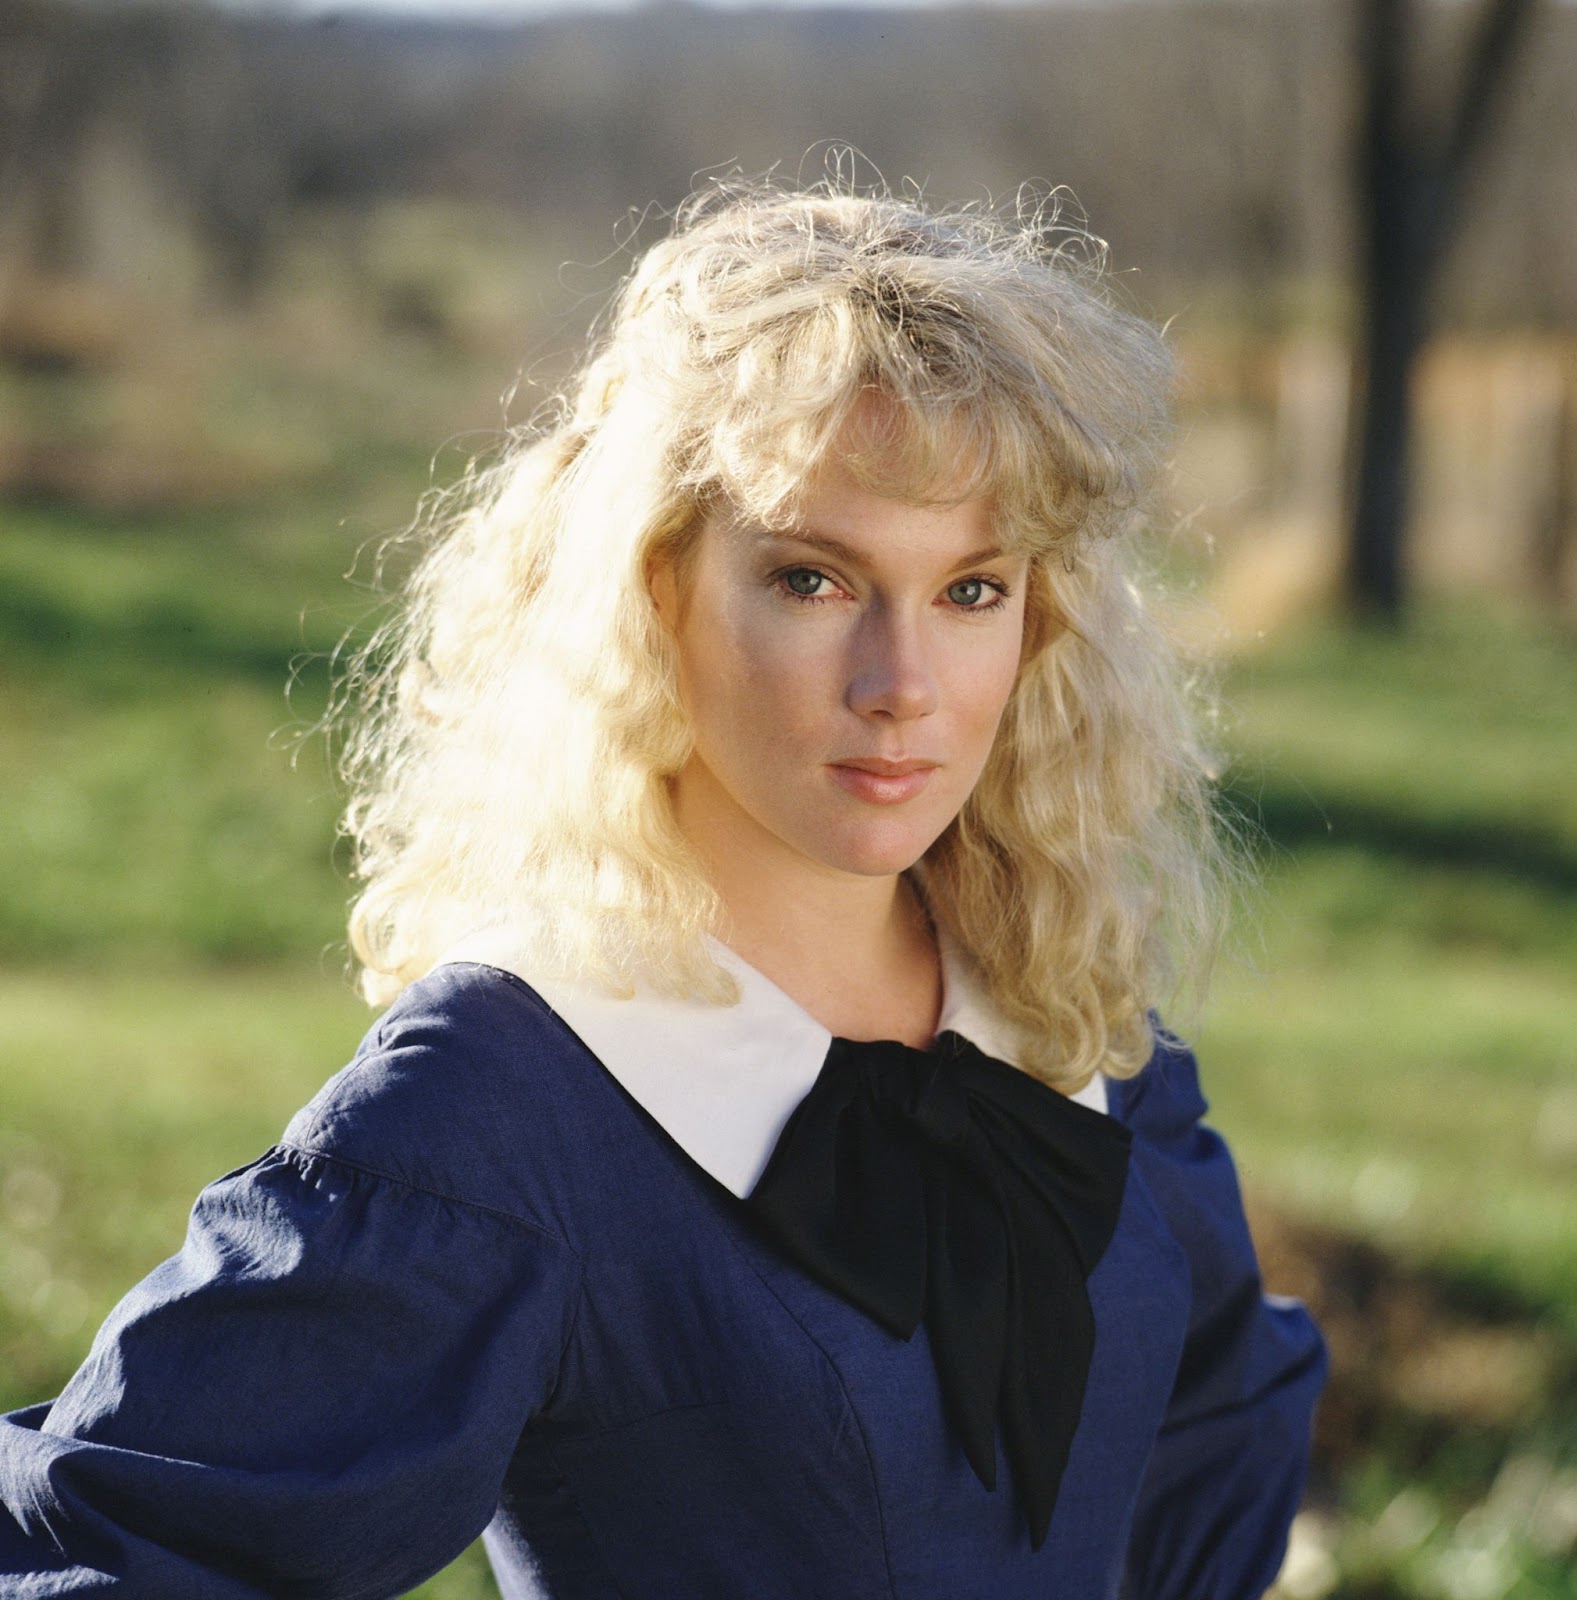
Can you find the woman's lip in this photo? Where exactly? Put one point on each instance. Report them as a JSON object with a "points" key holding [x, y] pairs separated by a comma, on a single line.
{"points": [[885, 768], [883, 783]]}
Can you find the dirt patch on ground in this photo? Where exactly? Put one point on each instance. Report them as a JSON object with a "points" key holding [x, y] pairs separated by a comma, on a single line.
{"points": [[1420, 1363]]}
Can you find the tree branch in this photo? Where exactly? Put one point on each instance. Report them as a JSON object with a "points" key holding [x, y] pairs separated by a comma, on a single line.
{"points": [[1501, 27]]}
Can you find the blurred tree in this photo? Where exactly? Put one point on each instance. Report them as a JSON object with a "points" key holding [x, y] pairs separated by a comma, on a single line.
{"points": [[50, 88], [1410, 192]]}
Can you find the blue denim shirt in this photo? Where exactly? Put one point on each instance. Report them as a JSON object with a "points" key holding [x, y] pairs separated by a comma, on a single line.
{"points": [[477, 1287]]}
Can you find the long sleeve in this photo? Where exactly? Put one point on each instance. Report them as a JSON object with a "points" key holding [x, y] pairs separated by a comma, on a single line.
{"points": [[319, 1395], [1228, 1469]]}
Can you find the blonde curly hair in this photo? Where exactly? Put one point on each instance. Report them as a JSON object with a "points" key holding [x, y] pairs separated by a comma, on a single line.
{"points": [[516, 727]]}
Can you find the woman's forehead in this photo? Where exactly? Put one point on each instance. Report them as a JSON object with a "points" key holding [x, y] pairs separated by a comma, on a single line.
{"points": [[841, 519], [838, 509]]}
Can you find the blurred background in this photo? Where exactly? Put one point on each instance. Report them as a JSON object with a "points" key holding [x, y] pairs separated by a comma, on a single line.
{"points": [[269, 277]]}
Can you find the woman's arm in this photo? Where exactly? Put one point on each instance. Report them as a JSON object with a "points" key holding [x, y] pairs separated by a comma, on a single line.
{"points": [[318, 1396], [1228, 1468]]}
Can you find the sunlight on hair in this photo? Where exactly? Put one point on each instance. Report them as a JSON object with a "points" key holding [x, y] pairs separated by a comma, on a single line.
{"points": [[513, 731]]}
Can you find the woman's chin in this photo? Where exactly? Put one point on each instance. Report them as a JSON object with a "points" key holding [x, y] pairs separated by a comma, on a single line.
{"points": [[877, 853]]}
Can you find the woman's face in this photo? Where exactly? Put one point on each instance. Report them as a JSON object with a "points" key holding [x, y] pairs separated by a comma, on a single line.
{"points": [[845, 678]]}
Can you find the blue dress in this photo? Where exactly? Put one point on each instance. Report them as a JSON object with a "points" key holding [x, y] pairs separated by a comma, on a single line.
{"points": [[477, 1286]]}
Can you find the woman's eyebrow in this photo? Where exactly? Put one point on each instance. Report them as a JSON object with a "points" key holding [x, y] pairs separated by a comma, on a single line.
{"points": [[847, 553]]}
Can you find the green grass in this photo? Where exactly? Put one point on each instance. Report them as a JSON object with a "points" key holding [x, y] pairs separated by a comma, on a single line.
{"points": [[1423, 1096], [1401, 1054], [1461, 733], [149, 742], [1398, 1057]]}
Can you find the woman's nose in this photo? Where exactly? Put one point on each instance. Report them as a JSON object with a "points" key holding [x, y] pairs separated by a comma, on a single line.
{"points": [[892, 674]]}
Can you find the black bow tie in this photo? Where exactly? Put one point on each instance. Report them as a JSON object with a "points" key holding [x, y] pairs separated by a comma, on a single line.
{"points": [[945, 1185]]}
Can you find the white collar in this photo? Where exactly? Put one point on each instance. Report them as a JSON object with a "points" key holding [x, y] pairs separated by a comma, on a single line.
{"points": [[722, 1080]]}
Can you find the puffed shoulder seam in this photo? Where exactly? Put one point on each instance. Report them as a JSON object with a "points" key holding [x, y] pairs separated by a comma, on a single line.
{"points": [[381, 1038], [289, 1149], [1164, 1096]]}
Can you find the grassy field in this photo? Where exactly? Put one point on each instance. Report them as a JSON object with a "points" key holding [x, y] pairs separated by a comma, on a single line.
{"points": [[1399, 1054], [1392, 1050]]}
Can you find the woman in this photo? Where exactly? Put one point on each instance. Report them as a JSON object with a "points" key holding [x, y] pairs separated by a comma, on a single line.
{"points": [[775, 809]]}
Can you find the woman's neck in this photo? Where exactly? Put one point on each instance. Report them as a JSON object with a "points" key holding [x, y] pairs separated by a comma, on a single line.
{"points": [[860, 957]]}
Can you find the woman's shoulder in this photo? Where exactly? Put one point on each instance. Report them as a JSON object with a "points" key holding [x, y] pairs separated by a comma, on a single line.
{"points": [[1163, 1101], [467, 1081]]}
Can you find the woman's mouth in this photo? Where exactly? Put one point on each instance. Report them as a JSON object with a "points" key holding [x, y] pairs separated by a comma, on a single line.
{"points": [[882, 783]]}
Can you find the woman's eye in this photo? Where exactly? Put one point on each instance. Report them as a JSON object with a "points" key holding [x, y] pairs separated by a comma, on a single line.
{"points": [[969, 592], [804, 581]]}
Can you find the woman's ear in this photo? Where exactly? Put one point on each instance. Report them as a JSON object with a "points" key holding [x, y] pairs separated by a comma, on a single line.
{"points": [[662, 583]]}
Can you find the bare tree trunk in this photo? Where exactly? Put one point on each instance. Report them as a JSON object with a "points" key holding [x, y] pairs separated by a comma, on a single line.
{"points": [[1393, 326], [1555, 536], [1410, 200]]}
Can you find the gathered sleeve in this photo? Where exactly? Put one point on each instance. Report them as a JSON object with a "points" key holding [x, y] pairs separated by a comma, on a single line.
{"points": [[1228, 1469], [319, 1395]]}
